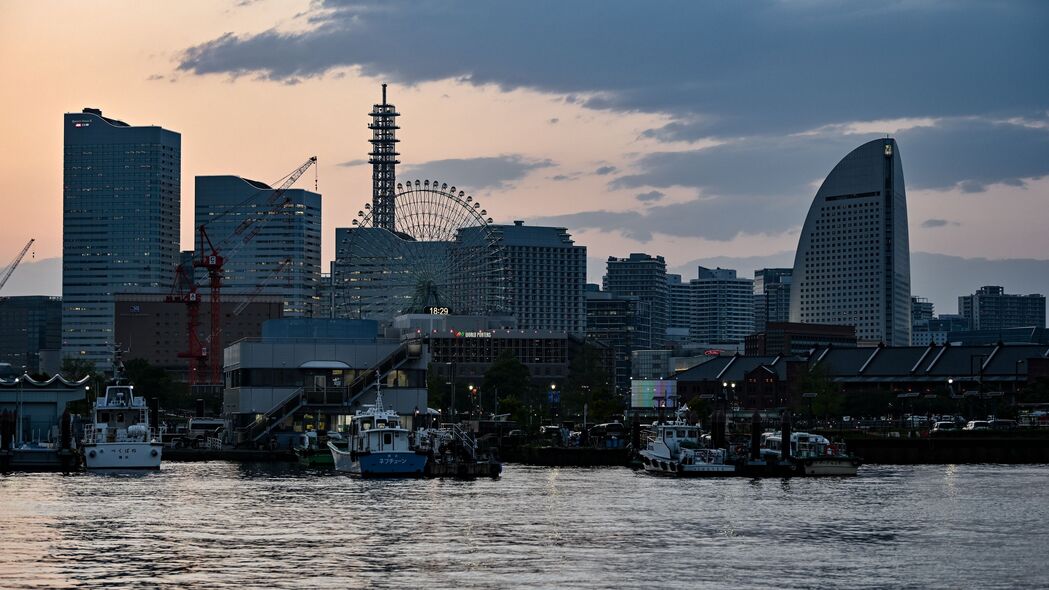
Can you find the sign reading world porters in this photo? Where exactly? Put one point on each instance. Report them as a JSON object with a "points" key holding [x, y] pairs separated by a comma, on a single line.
{"points": [[653, 393]]}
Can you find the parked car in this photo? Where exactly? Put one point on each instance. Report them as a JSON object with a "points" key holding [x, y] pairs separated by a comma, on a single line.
{"points": [[1003, 424], [977, 425], [945, 427]]}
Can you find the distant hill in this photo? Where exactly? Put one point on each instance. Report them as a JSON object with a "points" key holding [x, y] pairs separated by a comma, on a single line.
{"points": [[35, 277]]}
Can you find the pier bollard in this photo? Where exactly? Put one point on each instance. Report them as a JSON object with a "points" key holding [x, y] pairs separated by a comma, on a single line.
{"points": [[66, 430], [5, 432]]}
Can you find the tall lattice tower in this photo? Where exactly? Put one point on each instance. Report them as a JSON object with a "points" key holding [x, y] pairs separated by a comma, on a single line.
{"points": [[383, 159]]}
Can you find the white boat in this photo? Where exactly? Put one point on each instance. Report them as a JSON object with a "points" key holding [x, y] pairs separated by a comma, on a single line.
{"points": [[811, 454], [378, 446], [119, 436], [674, 449]]}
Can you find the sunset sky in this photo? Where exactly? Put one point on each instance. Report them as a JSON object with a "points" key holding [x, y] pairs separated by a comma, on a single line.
{"points": [[695, 130]]}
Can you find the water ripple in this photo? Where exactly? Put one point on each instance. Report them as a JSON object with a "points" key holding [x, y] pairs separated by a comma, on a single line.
{"points": [[222, 525]]}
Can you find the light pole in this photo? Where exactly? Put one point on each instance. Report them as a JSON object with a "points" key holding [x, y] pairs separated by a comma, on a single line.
{"points": [[554, 398], [451, 385], [18, 426], [1016, 376]]}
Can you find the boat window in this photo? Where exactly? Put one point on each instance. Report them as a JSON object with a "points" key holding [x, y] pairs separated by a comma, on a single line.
{"points": [[670, 434], [387, 438], [120, 417], [691, 434]]}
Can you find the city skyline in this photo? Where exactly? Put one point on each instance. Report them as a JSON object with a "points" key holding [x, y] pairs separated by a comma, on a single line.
{"points": [[642, 164]]}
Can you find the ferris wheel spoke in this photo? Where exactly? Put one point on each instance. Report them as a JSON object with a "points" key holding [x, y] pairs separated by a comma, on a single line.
{"points": [[443, 251]]}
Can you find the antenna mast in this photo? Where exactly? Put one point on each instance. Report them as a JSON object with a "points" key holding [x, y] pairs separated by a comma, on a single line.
{"points": [[383, 159]]}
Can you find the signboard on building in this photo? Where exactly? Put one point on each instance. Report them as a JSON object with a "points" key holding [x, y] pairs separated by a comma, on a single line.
{"points": [[653, 393]]}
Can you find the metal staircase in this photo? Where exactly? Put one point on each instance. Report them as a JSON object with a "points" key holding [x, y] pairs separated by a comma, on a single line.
{"points": [[345, 397]]}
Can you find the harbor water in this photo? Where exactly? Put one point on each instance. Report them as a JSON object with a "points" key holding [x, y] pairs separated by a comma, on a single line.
{"points": [[227, 525]]}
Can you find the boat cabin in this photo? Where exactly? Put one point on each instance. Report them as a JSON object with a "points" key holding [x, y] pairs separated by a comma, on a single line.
{"points": [[120, 415], [802, 444]]}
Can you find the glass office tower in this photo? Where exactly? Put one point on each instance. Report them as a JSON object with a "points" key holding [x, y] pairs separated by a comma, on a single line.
{"points": [[120, 224]]}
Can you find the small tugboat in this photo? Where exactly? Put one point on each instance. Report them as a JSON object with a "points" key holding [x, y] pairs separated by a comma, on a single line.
{"points": [[811, 454], [309, 450], [119, 436], [675, 450], [453, 452], [378, 446]]}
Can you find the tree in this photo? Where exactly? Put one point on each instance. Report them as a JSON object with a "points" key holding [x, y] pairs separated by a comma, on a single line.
{"points": [[588, 384], [828, 400], [507, 377], [75, 369], [150, 382], [509, 381]]}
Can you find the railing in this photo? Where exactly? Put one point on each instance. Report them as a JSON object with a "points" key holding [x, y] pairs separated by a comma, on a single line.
{"points": [[464, 437], [114, 435], [213, 443], [265, 424], [333, 395]]}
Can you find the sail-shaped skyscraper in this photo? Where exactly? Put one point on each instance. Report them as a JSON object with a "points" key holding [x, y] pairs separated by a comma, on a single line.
{"points": [[852, 266]]}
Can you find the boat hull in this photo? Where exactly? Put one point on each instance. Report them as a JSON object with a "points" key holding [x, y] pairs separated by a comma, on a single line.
{"points": [[662, 466], [829, 466], [120, 456], [380, 464]]}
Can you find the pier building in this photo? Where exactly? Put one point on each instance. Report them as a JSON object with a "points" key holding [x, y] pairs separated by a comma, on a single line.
{"points": [[307, 373], [39, 403]]}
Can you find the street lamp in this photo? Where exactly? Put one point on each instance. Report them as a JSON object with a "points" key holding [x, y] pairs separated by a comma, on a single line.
{"points": [[18, 427]]}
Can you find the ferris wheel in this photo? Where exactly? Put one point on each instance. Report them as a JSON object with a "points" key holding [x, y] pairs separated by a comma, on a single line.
{"points": [[441, 256]]}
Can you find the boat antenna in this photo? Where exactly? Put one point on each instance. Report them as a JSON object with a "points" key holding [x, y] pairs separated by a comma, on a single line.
{"points": [[378, 393]]}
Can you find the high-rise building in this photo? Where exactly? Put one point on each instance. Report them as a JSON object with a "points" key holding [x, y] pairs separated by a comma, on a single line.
{"points": [[717, 307], [644, 277], [283, 258], [29, 325], [120, 224], [611, 320], [922, 313], [724, 306], [990, 308], [548, 277], [771, 296], [852, 266]]}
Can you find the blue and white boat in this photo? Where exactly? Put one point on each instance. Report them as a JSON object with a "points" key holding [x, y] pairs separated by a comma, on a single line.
{"points": [[378, 446]]}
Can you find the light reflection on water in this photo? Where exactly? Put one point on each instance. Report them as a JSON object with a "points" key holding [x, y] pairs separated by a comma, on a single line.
{"points": [[214, 525]]}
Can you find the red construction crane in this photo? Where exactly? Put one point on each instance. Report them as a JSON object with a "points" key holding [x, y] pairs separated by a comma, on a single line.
{"points": [[7, 272], [212, 259]]}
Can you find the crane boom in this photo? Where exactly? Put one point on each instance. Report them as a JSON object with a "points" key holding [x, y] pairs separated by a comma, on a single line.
{"points": [[11, 267], [212, 258]]}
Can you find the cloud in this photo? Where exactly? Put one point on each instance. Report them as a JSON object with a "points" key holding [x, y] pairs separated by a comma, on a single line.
{"points": [[476, 173], [605, 170], [720, 219], [815, 63], [779, 172], [352, 163], [565, 177], [930, 223], [553, 121], [650, 196], [155, 77]]}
